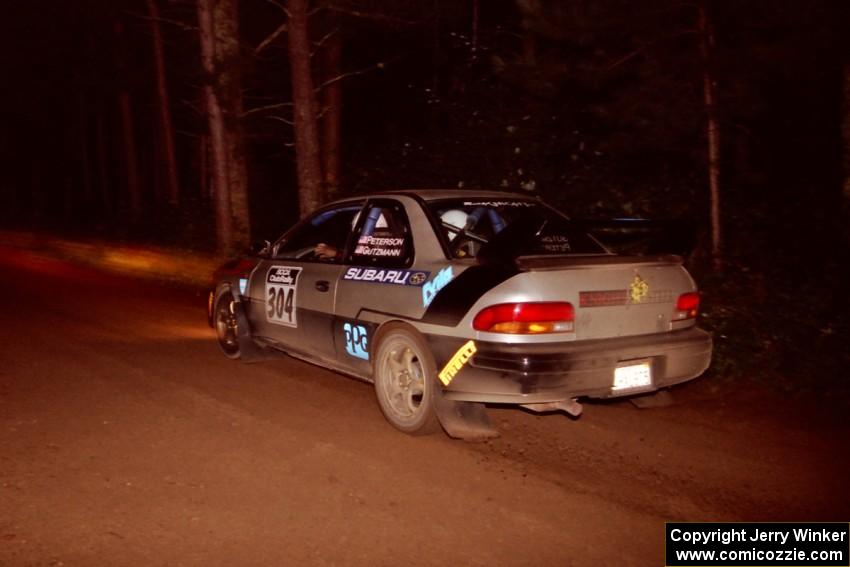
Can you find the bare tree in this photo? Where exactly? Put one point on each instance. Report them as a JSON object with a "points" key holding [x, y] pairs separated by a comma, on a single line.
{"points": [[85, 161], [709, 88], [204, 166], [215, 121], [134, 188], [220, 57], [331, 111], [166, 128], [845, 132], [531, 11], [317, 131], [229, 88], [102, 163], [307, 150]]}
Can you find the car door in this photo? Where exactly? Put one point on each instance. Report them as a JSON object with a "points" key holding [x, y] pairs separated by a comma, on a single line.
{"points": [[376, 276], [293, 291]]}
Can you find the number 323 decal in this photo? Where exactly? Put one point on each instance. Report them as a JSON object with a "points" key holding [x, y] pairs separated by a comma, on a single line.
{"points": [[281, 286]]}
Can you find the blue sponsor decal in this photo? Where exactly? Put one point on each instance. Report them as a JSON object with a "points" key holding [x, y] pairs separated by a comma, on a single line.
{"points": [[397, 277], [430, 289], [356, 340], [243, 285]]}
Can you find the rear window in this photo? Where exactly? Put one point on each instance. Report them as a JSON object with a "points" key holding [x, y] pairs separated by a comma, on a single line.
{"points": [[511, 227]]}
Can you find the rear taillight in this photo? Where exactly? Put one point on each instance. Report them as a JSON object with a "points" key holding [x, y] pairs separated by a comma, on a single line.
{"points": [[526, 318], [687, 306]]}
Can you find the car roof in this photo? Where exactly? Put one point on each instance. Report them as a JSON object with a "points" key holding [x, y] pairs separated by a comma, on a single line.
{"points": [[440, 194]]}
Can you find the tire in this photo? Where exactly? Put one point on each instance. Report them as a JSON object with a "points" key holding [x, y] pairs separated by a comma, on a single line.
{"points": [[405, 373], [226, 326]]}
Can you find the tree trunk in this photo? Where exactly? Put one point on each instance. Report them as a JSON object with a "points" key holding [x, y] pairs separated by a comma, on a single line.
{"points": [[37, 200], [102, 164], [306, 130], [229, 89], [530, 12], [436, 51], [204, 167], [85, 162], [215, 121], [709, 89], [475, 18], [845, 133], [134, 188], [332, 117], [166, 128]]}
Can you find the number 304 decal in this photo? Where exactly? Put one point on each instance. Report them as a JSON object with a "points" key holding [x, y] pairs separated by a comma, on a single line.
{"points": [[281, 286]]}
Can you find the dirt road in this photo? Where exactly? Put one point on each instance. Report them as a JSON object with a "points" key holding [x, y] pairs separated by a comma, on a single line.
{"points": [[126, 438]]}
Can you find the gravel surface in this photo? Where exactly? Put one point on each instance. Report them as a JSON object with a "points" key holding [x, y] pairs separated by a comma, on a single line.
{"points": [[126, 438]]}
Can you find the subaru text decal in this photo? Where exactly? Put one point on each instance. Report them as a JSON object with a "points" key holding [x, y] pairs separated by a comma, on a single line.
{"points": [[397, 277], [356, 340], [430, 289]]}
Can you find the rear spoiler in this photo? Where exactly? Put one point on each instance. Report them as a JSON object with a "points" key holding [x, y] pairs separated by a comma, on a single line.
{"points": [[642, 236], [578, 262]]}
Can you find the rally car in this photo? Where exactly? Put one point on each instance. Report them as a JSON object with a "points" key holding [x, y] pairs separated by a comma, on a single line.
{"points": [[448, 300]]}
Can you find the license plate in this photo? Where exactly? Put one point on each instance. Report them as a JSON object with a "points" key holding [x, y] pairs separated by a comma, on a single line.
{"points": [[632, 375]]}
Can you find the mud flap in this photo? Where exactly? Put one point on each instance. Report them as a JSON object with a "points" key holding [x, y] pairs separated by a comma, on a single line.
{"points": [[464, 420], [249, 351]]}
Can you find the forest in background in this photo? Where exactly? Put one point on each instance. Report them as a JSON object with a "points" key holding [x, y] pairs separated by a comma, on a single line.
{"points": [[600, 107]]}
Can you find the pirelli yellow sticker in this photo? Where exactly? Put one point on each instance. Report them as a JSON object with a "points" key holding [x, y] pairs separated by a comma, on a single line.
{"points": [[457, 362]]}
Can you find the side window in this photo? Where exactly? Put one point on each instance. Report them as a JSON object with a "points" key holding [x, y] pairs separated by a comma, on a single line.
{"points": [[383, 237], [322, 237]]}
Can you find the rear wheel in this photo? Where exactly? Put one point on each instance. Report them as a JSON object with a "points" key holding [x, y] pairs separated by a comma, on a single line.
{"points": [[405, 382], [226, 326]]}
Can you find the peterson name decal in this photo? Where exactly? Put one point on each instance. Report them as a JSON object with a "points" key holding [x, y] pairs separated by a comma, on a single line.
{"points": [[377, 246], [457, 362], [397, 277], [430, 289]]}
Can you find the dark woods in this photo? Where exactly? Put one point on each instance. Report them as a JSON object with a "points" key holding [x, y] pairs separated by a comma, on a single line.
{"points": [[209, 123]]}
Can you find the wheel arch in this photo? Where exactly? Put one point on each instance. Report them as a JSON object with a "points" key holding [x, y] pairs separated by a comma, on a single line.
{"points": [[382, 330], [222, 287], [212, 299]]}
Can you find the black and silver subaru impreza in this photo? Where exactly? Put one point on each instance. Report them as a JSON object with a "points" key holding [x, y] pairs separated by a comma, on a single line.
{"points": [[448, 300]]}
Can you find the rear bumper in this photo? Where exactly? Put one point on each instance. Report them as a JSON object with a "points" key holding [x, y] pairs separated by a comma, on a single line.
{"points": [[525, 374]]}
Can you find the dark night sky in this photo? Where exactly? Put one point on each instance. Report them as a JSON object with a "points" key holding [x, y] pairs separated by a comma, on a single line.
{"points": [[778, 66]]}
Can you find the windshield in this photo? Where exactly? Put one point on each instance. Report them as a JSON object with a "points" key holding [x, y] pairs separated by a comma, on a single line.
{"points": [[509, 228]]}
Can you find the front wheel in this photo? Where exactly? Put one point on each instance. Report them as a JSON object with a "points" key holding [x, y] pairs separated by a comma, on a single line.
{"points": [[226, 326], [405, 384]]}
